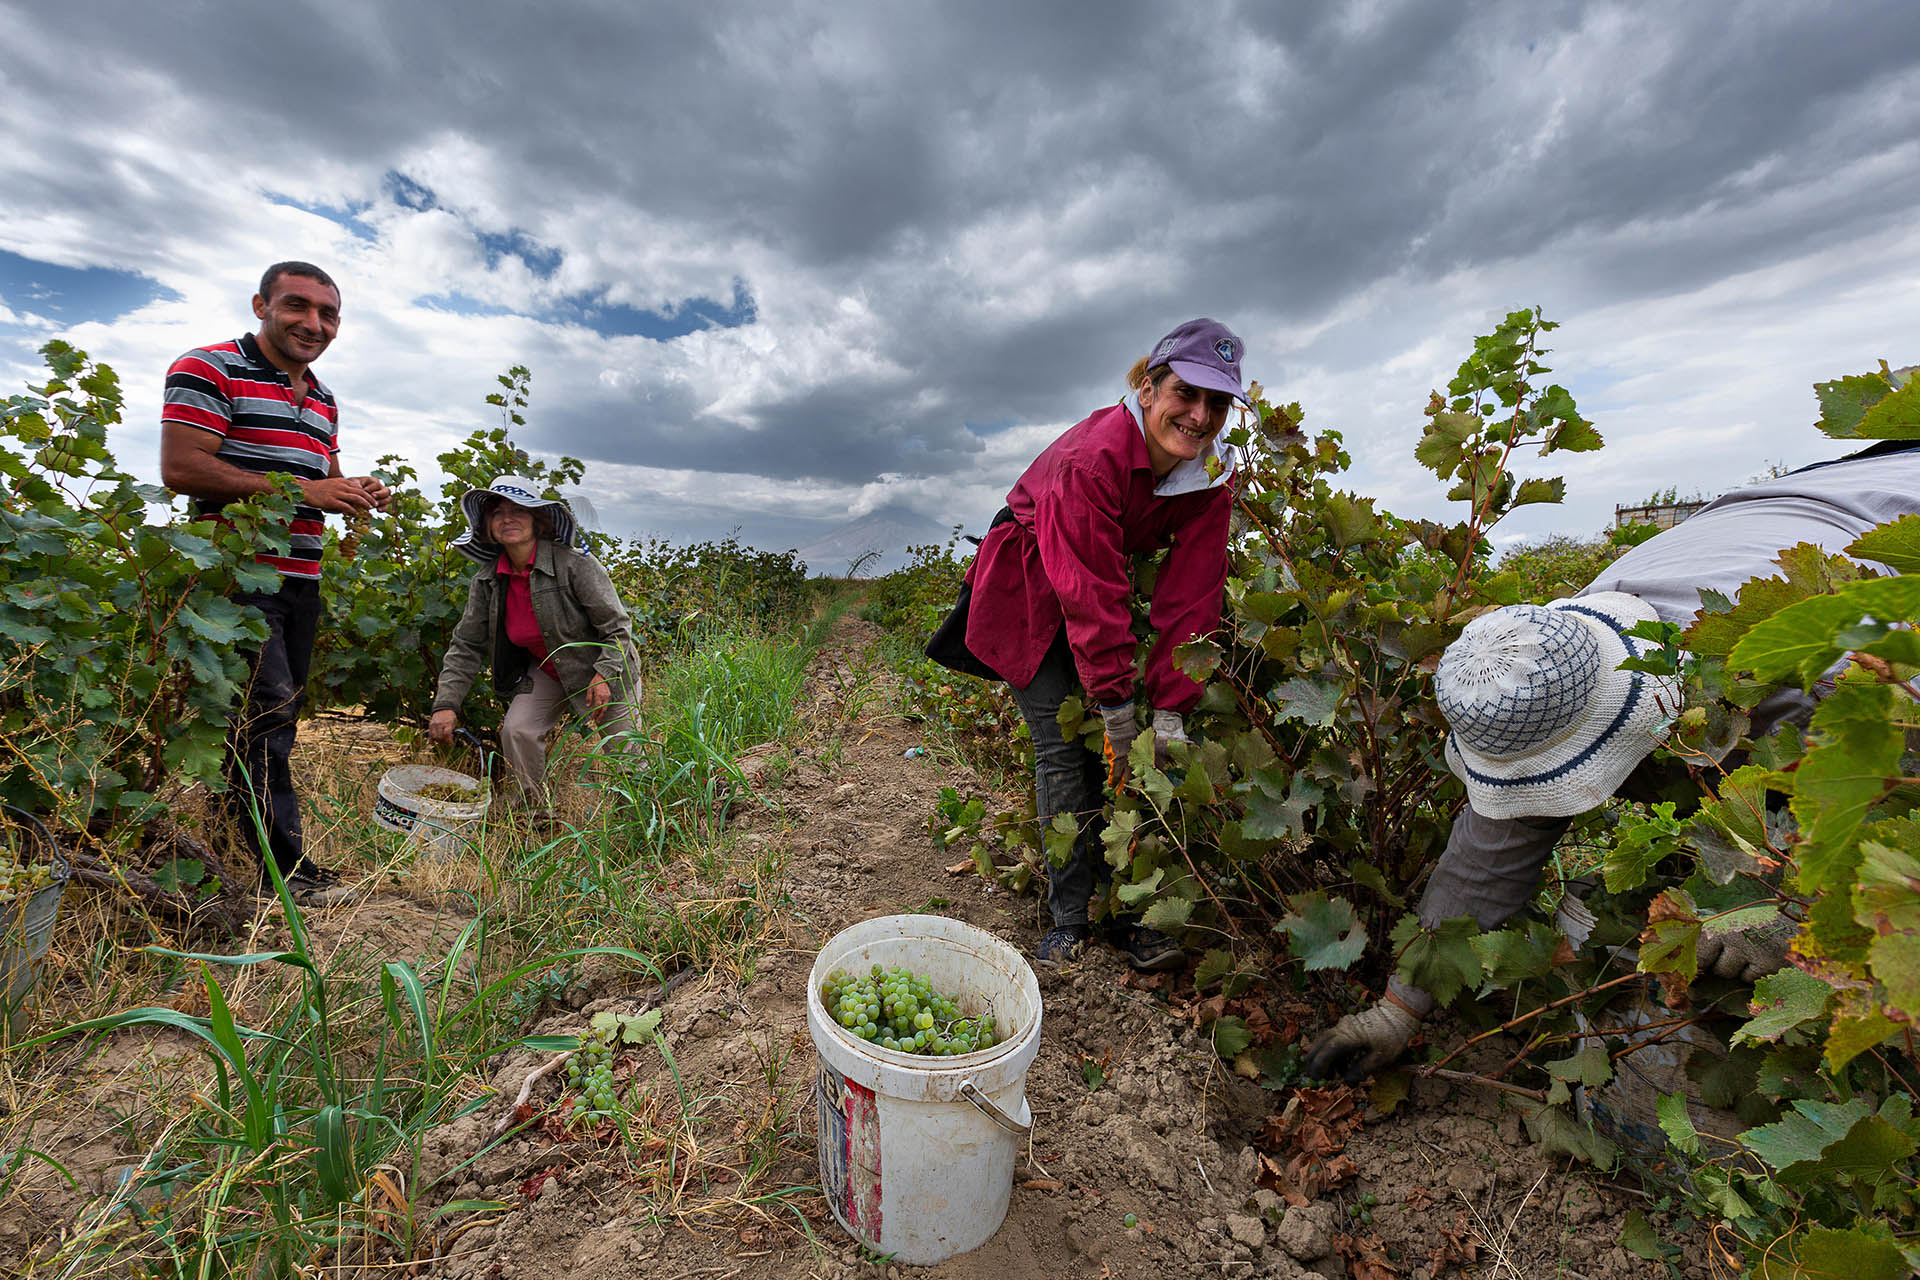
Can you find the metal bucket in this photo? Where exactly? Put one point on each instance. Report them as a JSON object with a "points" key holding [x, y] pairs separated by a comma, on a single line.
{"points": [[26, 922]]}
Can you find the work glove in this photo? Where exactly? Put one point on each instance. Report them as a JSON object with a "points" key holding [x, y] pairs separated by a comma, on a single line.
{"points": [[1748, 954], [1121, 731], [1361, 1043], [1167, 727]]}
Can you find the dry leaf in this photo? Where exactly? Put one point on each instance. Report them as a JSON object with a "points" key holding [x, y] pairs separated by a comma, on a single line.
{"points": [[964, 865]]}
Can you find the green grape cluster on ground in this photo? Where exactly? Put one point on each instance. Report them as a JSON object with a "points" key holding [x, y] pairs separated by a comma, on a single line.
{"points": [[899, 1010], [590, 1072]]}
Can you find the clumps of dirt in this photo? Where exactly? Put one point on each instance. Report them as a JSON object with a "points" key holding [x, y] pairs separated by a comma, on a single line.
{"points": [[1149, 1155]]}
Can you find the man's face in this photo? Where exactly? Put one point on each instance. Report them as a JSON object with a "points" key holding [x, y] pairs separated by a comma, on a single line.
{"points": [[298, 322]]}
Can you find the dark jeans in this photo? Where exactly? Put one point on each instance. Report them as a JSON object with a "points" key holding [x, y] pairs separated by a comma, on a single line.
{"points": [[1068, 778], [260, 746]]}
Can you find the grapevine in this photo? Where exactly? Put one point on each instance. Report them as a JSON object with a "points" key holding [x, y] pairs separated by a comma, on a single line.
{"points": [[899, 1010]]}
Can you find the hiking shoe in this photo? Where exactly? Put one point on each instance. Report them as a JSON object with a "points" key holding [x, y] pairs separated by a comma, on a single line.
{"points": [[1063, 943], [1146, 949], [312, 885]]}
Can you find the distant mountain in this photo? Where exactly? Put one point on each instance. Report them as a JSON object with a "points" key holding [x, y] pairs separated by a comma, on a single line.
{"points": [[882, 535]]}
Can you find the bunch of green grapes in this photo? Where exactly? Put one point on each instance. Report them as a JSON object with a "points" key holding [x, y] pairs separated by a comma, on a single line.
{"points": [[21, 880], [590, 1070], [897, 1009]]}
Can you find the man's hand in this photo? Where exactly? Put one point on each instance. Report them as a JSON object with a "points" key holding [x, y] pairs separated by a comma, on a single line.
{"points": [[379, 493], [440, 728], [340, 494], [599, 694], [1121, 731], [1748, 955], [1362, 1043]]}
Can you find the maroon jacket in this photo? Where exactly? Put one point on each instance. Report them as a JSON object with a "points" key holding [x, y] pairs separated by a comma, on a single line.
{"points": [[1085, 505]]}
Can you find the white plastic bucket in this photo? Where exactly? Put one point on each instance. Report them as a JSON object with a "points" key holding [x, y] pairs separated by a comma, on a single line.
{"points": [[917, 1153], [438, 828], [1626, 1108]]}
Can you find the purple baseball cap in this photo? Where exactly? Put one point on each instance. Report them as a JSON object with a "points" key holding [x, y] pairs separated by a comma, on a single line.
{"points": [[1206, 353]]}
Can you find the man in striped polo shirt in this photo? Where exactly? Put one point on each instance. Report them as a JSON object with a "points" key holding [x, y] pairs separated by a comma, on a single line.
{"points": [[236, 414]]}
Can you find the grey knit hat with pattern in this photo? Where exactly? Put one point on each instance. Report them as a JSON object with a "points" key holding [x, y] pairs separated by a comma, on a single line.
{"points": [[1544, 723]]}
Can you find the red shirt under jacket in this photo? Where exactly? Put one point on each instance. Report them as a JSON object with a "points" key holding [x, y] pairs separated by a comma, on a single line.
{"points": [[523, 628], [1085, 505]]}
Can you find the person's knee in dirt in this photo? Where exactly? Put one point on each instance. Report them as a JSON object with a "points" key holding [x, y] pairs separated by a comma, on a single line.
{"points": [[1545, 726], [544, 617]]}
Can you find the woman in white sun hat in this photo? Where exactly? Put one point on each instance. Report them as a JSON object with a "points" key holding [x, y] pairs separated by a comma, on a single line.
{"points": [[1545, 726], [544, 616]]}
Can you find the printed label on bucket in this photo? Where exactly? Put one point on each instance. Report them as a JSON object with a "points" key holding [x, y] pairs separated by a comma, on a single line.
{"points": [[401, 819], [850, 1152]]}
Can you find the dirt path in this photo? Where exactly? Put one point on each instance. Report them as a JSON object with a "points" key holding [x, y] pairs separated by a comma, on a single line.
{"points": [[1170, 1139]]}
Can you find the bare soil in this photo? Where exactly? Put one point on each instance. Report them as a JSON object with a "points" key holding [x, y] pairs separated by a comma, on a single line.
{"points": [[716, 1175], [1171, 1135]]}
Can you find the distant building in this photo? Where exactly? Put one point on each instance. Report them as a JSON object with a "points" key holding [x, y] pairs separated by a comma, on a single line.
{"points": [[1663, 515]]}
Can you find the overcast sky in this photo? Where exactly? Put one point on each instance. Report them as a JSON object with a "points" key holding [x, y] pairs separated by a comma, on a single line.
{"points": [[779, 266]]}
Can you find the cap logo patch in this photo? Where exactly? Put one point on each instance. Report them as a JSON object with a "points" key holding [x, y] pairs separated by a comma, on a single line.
{"points": [[1224, 349], [1166, 349]]}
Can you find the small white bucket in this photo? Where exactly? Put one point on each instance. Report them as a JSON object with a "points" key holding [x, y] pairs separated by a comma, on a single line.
{"points": [[438, 828], [917, 1153]]}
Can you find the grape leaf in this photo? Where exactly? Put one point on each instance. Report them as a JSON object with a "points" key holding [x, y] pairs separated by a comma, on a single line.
{"points": [[1062, 831], [1822, 1253], [1799, 1137], [1844, 403], [1441, 960], [1556, 1131], [1856, 749], [1670, 943], [1231, 1037], [1323, 932], [1589, 1065], [1799, 640], [1311, 702], [1886, 901], [1168, 914], [1895, 544], [1134, 894], [640, 1029], [1677, 1124], [1639, 846], [1897, 417], [1781, 1002], [1513, 955], [1270, 819], [1638, 1237], [1213, 966]]}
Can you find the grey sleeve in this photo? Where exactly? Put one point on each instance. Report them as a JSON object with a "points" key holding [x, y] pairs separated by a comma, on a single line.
{"points": [[466, 651], [1488, 871], [1490, 868], [618, 662]]}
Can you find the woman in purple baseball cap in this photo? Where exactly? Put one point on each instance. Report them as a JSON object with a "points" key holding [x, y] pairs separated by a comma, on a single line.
{"points": [[1049, 610]]}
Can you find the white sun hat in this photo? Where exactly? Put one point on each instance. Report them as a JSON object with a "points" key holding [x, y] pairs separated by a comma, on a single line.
{"points": [[1544, 723], [476, 545]]}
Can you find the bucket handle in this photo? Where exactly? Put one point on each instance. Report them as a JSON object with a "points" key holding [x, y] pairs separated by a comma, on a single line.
{"points": [[38, 829], [985, 1106], [479, 747]]}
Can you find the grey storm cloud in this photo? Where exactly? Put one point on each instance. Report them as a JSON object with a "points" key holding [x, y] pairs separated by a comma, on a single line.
{"points": [[1022, 196]]}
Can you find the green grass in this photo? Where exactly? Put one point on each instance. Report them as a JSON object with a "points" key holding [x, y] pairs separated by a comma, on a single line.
{"points": [[277, 1161]]}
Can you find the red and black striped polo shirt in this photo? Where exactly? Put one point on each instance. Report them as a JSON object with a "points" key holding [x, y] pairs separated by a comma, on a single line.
{"points": [[232, 390]]}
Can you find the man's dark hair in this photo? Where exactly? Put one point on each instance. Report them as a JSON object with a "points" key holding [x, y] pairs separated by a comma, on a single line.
{"points": [[306, 269]]}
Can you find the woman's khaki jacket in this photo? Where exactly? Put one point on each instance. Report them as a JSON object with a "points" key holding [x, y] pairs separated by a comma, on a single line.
{"points": [[585, 625]]}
